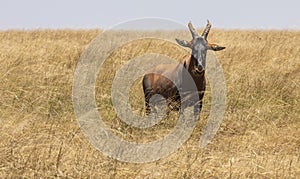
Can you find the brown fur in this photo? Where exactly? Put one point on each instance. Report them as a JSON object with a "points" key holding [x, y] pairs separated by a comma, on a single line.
{"points": [[159, 81]]}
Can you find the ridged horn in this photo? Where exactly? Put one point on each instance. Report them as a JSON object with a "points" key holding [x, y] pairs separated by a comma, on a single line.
{"points": [[193, 31], [206, 30]]}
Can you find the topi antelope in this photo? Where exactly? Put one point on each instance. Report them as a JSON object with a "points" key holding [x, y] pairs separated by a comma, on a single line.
{"points": [[168, 79]]}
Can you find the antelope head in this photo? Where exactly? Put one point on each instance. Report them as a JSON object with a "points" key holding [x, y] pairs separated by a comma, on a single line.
{"points": [[199, 46]]}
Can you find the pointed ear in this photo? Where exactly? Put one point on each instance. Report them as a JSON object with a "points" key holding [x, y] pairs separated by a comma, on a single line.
{"points": [[184, 43], [215, 47]]}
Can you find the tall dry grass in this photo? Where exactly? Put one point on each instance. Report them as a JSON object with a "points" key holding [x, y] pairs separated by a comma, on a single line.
{"points": [[259, 136]]}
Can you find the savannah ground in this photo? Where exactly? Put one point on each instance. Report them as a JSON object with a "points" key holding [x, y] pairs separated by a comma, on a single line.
{"points": [[258, 138]]}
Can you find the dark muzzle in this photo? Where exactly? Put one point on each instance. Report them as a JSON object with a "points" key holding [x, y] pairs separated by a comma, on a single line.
{"points": [[199, 69]]}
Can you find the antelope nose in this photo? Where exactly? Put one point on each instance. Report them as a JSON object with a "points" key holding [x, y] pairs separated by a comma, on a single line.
{"points": [[200, 68]]}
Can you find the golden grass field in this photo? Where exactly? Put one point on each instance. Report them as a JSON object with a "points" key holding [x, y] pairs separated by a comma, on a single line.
{"points": [[40, 137]]}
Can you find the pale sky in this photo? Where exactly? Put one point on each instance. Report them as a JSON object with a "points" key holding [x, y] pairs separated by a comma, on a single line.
{"points": [[87, 14]]}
